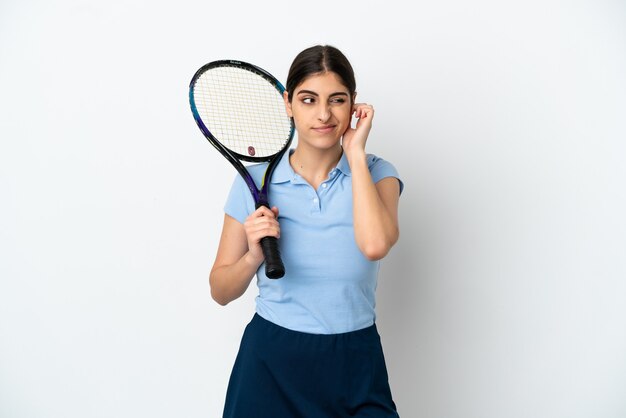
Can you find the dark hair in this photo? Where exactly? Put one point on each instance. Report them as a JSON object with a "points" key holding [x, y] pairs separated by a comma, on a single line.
{"points": [[317, 60]]}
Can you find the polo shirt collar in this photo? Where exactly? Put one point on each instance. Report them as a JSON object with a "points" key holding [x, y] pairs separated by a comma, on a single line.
{"points": [[284, 172], [343, 165]]}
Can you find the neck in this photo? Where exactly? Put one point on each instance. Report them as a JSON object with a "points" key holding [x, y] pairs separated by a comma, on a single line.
{"points": [[313, 165]]}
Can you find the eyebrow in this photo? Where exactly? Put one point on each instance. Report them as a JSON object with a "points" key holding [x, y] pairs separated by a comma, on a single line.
{"points": [[339, 93]]}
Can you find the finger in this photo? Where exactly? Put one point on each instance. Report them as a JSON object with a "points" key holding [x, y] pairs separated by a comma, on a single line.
{"points": [[263, 211], [264, 230], [362, 110], [263, 222], [253, 224], [366, 108], [255, 232]]}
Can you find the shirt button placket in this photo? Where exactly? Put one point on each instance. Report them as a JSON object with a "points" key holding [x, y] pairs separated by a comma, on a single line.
{"points": [[316, 204]]}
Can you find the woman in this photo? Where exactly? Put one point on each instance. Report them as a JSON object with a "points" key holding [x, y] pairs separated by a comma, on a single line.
{"points": [[312, 348]]}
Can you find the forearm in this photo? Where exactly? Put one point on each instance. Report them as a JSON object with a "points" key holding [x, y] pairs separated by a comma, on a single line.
{"points": [[375, 226]]}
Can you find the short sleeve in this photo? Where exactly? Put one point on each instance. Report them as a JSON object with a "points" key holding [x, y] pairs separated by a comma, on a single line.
{"points": [[380, 169], [239, 203]]}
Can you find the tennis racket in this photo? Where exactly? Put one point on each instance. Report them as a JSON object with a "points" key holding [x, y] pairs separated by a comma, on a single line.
{"points": [[239, 108]]}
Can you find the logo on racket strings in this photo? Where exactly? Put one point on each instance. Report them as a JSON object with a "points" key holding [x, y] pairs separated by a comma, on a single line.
{"points": [[251, 151]]}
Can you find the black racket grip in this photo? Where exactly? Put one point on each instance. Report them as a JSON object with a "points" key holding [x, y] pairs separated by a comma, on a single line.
{"points": [[274, 268]]}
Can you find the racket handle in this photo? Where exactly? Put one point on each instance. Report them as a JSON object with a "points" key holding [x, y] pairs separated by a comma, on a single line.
{"points": [[274, 268]]}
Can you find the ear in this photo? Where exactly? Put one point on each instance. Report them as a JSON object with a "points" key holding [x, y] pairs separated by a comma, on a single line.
{"points": [[354, 98], [287, 104]]}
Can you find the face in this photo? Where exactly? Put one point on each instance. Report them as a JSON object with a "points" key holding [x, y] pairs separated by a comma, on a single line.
{"points": [[321, 108]]}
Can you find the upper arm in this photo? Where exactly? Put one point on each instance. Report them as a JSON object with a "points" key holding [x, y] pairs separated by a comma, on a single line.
{"points": [[233, 243], [389, 192]]}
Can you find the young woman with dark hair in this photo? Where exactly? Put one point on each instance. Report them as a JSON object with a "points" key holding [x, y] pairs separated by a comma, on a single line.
{"points": [[312, 348]]}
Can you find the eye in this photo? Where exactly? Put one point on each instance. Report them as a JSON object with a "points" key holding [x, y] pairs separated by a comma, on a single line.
{"points": [[338, 100], [308, 100]]}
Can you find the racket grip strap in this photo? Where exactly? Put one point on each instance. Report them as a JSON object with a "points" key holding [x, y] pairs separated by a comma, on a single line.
{"points": [[274, 268]]}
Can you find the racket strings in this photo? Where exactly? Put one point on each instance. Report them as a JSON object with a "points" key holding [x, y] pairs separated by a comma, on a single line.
{"points": [[242, 110]]}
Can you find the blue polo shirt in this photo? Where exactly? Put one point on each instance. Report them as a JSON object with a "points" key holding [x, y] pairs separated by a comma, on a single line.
{"points": [[329, 286]]}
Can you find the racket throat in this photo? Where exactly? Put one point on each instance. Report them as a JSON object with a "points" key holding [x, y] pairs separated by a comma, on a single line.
{"points": [[262, 201]]}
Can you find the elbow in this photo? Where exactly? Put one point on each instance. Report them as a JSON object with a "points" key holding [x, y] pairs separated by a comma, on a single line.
{"points": [[378, 249], [220, 300], [375, 255], [216, 295]]}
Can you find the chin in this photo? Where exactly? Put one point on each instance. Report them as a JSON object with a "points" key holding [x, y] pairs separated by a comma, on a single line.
{"points": [[320, 140], [325, 143]]}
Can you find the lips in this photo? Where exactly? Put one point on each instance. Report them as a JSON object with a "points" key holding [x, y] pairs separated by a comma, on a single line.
{"points": [[324, 129]]}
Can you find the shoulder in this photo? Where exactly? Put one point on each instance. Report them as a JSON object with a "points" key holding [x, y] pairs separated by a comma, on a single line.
{"points": [[374, 161], [377, 164], [240, 203], [380, 168], [257, 171]]}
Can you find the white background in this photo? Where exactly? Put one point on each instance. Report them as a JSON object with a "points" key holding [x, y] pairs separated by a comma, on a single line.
{"points": [[505, 296]]}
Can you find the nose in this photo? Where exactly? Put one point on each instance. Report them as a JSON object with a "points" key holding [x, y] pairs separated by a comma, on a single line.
{"points": [[324, 112]]}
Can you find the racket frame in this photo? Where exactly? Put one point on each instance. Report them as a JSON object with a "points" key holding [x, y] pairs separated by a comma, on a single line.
{"points": [[273, 267]]}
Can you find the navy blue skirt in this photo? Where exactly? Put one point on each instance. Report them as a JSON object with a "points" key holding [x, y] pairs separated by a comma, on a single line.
{"points": [[280, 373]]}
